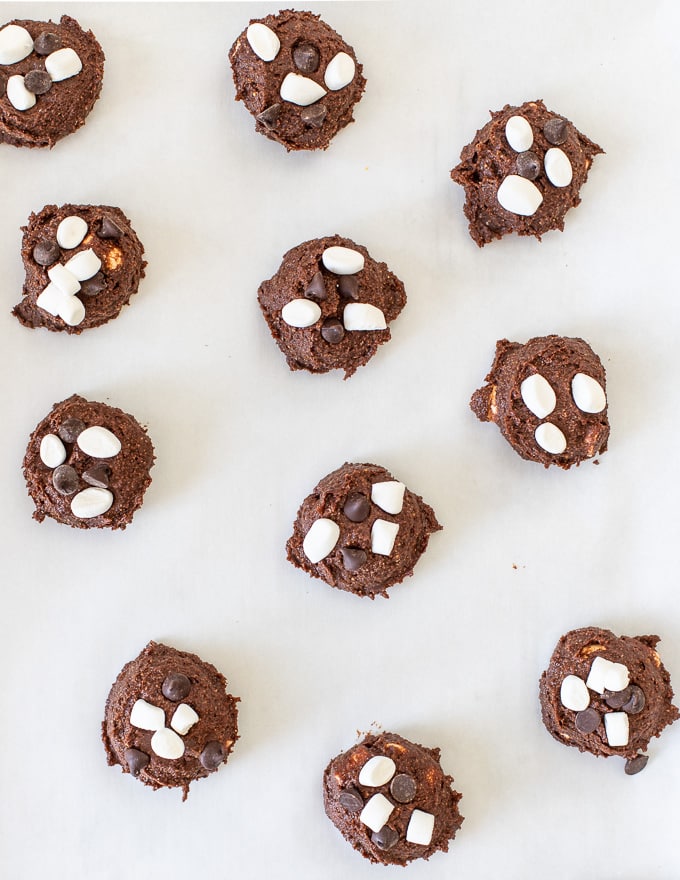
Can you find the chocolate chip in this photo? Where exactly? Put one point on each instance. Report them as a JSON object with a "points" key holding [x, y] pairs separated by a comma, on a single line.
{"points": [[617, 699], [270, 116], [353, 558], [108, 228], [93, 285], [136, 760], [637, 701], [348, 286], [588, 720], [65, 479], [634, 765], [314, 115], [212, 755], [69, 430], [46, 42], [98, 476], [46, 252], [403, 788], [38, 81], [357, 507], [306, 57], [555, 130], [351, 800], [316, 287], [175, 687], [332, 331], [528, 165], [385, 838]]}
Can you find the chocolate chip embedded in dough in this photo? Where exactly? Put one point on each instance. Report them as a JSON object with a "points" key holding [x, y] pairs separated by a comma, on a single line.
{"points": [[314, 116], [46, 252], [616, 699], [588, 720], [353, 558], [93, 286], [636, 703], [351, 800], [99, 476], [386, 838], [636, 764], [528, 165], [38, 81], [306, 57], [348, 287], [45, 43], [70, 429], [357, 507], [332, 331], [555, 131], [316, 287], [136, 760], [403, 788], [270, 116], [65, 479], [109, 228], [212, 755], [176, 687]]}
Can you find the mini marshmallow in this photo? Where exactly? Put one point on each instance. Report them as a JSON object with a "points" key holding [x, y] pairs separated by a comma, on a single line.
{"points": [[63, 64], [558, 168], [301, 90], [519, 196], [166, 744], [263, 41], [84, 265], [320, 539], [342, 260], [51, 299], [146, 716], [389, 496], [99, 442], [616, 729], [377, 771], [340, 71], [363, 316], [71, 310], [183, 719], [538, 395], [71, 231], [550, 438], [63, 279], [15, 44], [607, 676], [519, 134], [52, 451], [574, 694], [376, 812], [301, 313], [383, 536], [588, 394], [420, 828], [18, 95]]}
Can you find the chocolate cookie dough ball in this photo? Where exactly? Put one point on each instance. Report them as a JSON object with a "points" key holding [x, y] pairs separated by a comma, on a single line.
{"points": [[522, 172], [391, 800], [548, 399], [330, 304], [50, 77], [297, 77], [361, 530], [169, 719], [87, 465], [82, 263], [607, 695]]}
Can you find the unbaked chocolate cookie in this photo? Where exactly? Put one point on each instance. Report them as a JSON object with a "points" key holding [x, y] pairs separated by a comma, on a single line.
{"points": [[87, 465], [330, 304], [548, 399], [50, 77], [607, 695], [297, 77], [391, 800], [82, 263], [169, 719], [361, 530], [522, 172]]}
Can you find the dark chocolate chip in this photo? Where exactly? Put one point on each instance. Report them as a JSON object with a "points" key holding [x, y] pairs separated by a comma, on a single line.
{"points": [[46, 42], [175, 687], [93, 286], [528, 165], [348, 286], [314, 115], [353, 558], [46, 252], [555, 130], [385, 838], [357, 507], [332, 331], [617, 699], [69, 430], [316, 287], [270, 116], [98, 476], [351, 800], [65, 479], [212, 755], [637, 701], [306, 57], [588, 720], [634, 765], [403, 788], [38, 81], [108, 228], [136, 760]]}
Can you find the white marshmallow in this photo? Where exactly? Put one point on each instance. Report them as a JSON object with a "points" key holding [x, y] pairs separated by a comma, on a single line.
{"points": [[538, 395], [519, 134], [52, 451], [340, 71], [84, 265], [52, 299], [263, 41], [166, 744], [383, 536], [18, 95], [558, 168], [301, 313], [550, 438], [377, 771], [320, 539], [63, 64], [63, 279], [519, 196], [574, 694], [183, 718], [607, 676], [301, 90], [15, 44], [588, 394], [376, 812], [71, 231], [363, 316], [420, 828], [99, 442], [146, 716], [342, 260], [91, 502], [72, 311], [389, 496], [616, 729]]}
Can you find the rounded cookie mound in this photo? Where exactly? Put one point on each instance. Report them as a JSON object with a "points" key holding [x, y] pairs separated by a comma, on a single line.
{"points": [[391, 800], [522, 172], [87, 465], [297, 77], [330, 304], [169, 719], [607, 695], [50, 77], [82, 263], [361, 530], [548, 399]]}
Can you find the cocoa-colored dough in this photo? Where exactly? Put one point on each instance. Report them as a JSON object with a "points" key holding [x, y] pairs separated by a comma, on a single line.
{"points": [[143, 679], [258, 82], [489, 159], [128, 472], [305, 348], [121, 271], [65, 107], [434, 794], [416, 522], [574, 655], [558, 359]]}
